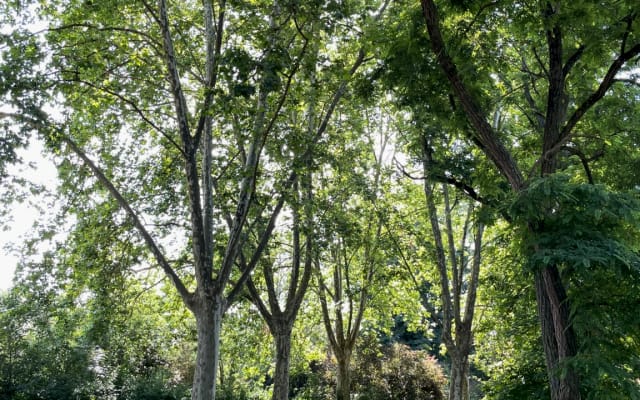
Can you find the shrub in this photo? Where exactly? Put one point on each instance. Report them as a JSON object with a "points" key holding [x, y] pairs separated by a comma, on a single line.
{"points": [[397, 372]]}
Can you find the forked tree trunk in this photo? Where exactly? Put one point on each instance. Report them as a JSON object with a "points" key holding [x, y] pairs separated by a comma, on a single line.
{"points": [[343, 378], [558, 337], [208, 323], [283, 357]]}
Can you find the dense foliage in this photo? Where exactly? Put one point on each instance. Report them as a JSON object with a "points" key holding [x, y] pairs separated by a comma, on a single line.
{"points": [[324, 199]]}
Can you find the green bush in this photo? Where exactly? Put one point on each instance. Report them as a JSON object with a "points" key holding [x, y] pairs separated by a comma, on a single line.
{"points": [[397, 372]]}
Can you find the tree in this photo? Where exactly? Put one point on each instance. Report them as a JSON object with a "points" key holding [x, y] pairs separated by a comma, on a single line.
{"points": [[350, 233], [40, 355], [281, 318], [456, 199], [60, 344], [451, 238], [456, 320], [280, 310], [194, 140], [554, 117]]}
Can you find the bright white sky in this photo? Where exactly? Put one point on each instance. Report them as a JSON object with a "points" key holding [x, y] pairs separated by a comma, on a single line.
{"points": [[23, 215]]}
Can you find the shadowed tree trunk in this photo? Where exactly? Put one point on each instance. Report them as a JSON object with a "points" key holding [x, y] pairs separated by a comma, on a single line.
{"points": [[459, 377], [283, 358], [553, 312]]}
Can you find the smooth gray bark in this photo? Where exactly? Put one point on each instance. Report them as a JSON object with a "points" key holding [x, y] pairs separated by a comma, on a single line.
{"points": [[208, 324]]}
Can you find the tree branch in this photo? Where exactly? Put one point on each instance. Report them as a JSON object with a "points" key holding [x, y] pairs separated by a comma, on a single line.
{"points": [[213, 41], [135, 108], [202, 266], [475, 274], [213, 48], [456, 282], [575, 57], [583, 160], [463, 187], [597, 95], [180, 104], [484, 133], [151, 40], [441, 262], [250, 167], [122, 202], [326, 318], [262, 244], [262, 308], [556, 98], [605, 84]]}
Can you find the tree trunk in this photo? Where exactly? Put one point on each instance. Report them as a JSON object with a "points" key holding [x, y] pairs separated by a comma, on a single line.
{"points": [[208, 322], [283, 352], [343, 379], [458, 381], [558, 337]]}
